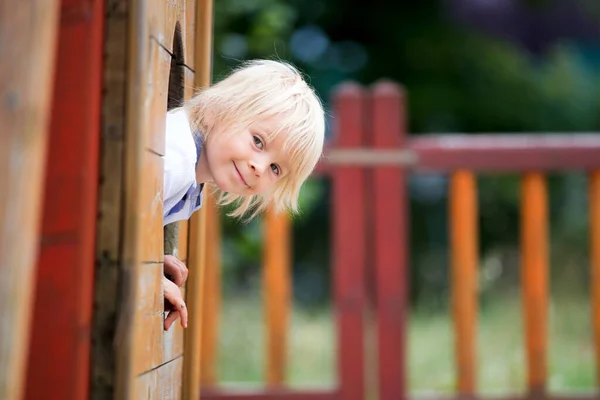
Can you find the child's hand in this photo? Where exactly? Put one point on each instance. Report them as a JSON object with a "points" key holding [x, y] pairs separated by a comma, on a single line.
{"points": [[175, 270], [174, 304]]}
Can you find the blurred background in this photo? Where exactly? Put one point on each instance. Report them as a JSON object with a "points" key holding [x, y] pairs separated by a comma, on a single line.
{"points": [[467, 66]]}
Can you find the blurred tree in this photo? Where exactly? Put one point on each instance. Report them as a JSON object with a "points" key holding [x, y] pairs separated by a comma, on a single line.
{"points": [[457, 79]]}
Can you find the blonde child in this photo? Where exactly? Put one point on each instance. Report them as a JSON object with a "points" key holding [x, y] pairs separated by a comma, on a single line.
{"points": [[256, 135]]}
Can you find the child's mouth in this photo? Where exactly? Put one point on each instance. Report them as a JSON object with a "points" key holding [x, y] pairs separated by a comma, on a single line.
{"points": [[240, 175]]}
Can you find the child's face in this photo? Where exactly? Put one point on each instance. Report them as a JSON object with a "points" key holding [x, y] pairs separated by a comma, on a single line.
{"points": [[244, 161]]}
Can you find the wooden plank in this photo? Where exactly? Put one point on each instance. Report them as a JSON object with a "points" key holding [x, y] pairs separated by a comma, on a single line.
{"points": [[29, 32], [464, 260], [147, 321], [270, 394], [156, 100], [189, 36], [534, 273], [65, 270], [110, 199], [349, 249], [477, 152], [137, 125], [277, 293], [169, 16], [506, 153], [150, 208], [390, 227], [163, 16], [197, 238], [594, 216], [212, 296], [163, 383]]}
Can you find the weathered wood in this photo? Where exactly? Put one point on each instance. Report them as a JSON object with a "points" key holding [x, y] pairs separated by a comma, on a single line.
{"points": [[197, 228], [150, 208], [156, 101], [107, 280], [65, 270], [163, 383], [28, 32], [137, 125]]}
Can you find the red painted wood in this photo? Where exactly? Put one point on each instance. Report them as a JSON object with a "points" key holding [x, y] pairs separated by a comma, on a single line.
{"points": [[507, 153], [390, 242], [349, 249], [499, 152], [269, 394], [60, 342]]}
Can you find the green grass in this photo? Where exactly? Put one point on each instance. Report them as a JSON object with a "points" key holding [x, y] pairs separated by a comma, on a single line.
{"points": [[501, 359]]}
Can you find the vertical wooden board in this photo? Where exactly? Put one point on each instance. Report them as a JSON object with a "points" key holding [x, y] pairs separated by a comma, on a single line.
{"points": [[173, 339], [113, 132], [156, 99], [211, 292], [151, 208], [349, 250], [107, 301], [164, 15], [163, 383], [464, 256], [148, 319], [65, 271], [390, 240], [534, 275], [28, 32], [189, 36], [277, 292], [594, 216]]}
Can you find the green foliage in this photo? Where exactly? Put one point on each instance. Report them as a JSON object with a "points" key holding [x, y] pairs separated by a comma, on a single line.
{"points": [[457, 80]]}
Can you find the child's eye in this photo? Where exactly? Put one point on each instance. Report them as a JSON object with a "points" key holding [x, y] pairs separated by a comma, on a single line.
{"points": [[275, 169], [258, 142]]}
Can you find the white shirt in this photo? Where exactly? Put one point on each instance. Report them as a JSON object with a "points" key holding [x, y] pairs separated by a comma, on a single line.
{"points": [[182, 195]]}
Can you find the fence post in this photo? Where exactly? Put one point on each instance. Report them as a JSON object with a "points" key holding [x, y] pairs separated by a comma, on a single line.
{"points": [[349, 250], [534, 272], [391, 240]]}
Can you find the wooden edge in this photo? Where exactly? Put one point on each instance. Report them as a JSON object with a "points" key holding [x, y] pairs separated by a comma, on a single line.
{"points": [[197, 227], [26, 86], [134, 149]]}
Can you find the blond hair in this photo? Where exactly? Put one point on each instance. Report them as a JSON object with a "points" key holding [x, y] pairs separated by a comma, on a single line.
{"points": [[264, 89]]}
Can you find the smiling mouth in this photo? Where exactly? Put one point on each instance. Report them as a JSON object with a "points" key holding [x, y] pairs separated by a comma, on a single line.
{"points": [[240, 175]]}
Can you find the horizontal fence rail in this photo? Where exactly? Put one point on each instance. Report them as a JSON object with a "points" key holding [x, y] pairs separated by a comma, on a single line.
{"points": [[500, 152]]}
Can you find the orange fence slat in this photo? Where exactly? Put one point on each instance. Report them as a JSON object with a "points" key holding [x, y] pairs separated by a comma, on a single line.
{"points": [[464, 243], [594, 206], [212, 295], [276, 286], [534, 273]]}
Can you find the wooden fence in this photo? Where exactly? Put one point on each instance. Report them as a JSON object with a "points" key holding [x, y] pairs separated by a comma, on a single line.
{"points": [[368, 165]]}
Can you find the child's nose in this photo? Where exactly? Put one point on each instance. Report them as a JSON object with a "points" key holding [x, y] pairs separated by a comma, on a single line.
{"points": [[258, 166]]}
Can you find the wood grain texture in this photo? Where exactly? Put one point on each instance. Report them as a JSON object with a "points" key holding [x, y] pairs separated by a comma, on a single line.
{"points": [[163, 383], [28, 34], [197, 229]]}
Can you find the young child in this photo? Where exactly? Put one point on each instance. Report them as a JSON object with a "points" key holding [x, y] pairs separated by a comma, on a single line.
{"points": [[256, 135]]}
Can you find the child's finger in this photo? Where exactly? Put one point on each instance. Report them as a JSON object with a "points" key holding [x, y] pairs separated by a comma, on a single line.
{"points": [[184, 314], [172, 317]]}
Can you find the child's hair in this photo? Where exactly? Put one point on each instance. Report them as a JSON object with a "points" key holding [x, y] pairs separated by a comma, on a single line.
{"points": [[261, 89]]}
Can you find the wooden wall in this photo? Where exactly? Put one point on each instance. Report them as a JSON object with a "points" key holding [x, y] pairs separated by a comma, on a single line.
{"points": [[147, 44]]}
